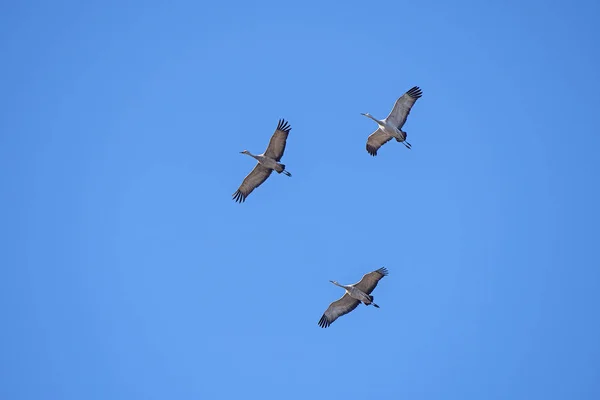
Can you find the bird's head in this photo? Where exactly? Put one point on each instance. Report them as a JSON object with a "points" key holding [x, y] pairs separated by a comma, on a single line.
{"points": [[366, 114], [244, 152], [334, 282]]}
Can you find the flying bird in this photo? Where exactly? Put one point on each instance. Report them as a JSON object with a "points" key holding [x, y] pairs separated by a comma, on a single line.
{"points": [[267, 162], [355, 294], [391, 126]]}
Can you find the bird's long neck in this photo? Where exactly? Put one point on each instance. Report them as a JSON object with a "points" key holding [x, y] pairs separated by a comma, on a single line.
{"points": [[250, 154], [375, 119], [342, 286]]}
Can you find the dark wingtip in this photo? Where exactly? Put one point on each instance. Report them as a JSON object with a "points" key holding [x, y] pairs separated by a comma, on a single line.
{"points": [[383, 271], [371, 151], [324, 322], [283, 125], [415, 92], [239, 197]]}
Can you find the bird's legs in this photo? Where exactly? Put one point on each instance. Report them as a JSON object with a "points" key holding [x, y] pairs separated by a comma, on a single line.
{"points": [[370, 304], [408, 145], [286, 173]]}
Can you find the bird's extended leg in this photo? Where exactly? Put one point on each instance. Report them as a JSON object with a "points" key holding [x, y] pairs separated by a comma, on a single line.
{"points": [[370, 303], [371, 298], [408, 145], [286, 173]]}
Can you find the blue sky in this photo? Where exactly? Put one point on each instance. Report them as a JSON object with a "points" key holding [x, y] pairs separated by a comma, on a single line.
{"points": [[129, 273]]}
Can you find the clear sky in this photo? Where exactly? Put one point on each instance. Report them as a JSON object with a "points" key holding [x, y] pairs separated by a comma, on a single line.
{"points": [[127, 272]]}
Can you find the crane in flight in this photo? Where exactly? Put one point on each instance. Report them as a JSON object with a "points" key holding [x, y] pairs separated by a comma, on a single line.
{"points": [[355, 294], [267, 162], [391, 126]]}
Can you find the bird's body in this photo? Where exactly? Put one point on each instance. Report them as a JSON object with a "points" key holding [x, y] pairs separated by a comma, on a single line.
{"points": [[355, 294], [267, 162], [359, 295], [391, 127]]}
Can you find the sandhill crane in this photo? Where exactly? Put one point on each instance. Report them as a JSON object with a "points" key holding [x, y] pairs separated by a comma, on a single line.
{"points": [[355, 294], [267, 162], [391, 126]]}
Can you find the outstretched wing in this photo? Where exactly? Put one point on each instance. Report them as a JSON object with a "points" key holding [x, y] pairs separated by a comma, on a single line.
{"points": [[277, 144], [338, 308], [376, 140], [402, 107], [370, 280], [254, 179]]}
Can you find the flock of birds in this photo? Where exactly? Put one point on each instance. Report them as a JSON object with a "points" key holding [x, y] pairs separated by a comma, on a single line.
{"points": [[269, 161]]}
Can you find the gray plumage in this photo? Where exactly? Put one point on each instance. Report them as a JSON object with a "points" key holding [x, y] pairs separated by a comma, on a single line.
{"points": [[355, 294], [391, 127], [267, 162]]}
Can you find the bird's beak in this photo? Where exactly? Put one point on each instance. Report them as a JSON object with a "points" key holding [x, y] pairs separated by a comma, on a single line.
{"points": [[241, 152], [331, 281]]}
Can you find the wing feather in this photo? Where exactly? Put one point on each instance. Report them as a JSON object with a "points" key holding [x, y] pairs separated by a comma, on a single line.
{"points": [[376, 140], [402, 107], [278, 140], [253, 180], [369, 281], [338, 308]]}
